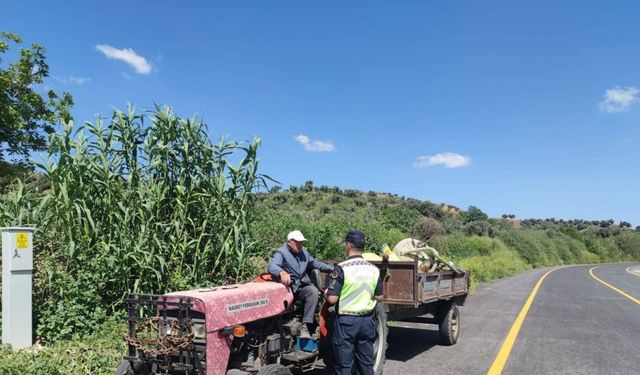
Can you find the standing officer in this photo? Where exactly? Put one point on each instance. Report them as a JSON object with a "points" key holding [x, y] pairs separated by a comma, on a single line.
{"points": [[355, 286]]}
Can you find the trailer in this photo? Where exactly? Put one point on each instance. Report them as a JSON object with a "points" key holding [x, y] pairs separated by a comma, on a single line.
{"points": [[425, 297]]}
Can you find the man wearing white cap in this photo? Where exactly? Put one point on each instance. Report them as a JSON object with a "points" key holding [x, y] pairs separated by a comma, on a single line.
{"points": [[291, 263]]}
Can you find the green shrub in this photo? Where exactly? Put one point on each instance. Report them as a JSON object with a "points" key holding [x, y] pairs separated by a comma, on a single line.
{"points": [[487, 268], [461, 246], [95, 354], [605, 248], [587, 257], [531, 246], [629, 245], [486, 258]]}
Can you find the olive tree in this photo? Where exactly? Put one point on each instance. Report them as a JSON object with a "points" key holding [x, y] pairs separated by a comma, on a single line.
{"points": [[26, 116]]}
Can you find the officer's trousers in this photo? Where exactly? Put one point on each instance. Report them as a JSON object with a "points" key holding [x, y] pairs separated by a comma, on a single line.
{"points": [[353, 338]]}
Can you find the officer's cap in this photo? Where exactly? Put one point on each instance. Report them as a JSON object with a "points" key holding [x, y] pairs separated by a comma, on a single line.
{"points": [[356, 238]]}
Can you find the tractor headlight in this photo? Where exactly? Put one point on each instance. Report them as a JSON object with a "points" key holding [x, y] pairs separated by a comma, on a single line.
{"points": [[170, 330], [199, 330]]}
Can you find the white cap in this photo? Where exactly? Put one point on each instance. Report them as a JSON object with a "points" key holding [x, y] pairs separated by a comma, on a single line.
{"points": [[296, 235]]}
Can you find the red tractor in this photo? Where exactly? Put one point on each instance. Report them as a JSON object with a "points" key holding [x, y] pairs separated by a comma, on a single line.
{"points": [[241, 329], [253, 328]]}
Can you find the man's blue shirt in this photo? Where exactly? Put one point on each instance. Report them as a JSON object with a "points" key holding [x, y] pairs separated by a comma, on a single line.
{"points": [[296, 265]]}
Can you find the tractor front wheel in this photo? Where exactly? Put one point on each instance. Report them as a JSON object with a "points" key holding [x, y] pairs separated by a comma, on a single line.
{"points": [[274, 369], [124, 368]]}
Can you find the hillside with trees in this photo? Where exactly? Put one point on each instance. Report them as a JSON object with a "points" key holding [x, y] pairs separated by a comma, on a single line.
{"points": [[489, 247]]}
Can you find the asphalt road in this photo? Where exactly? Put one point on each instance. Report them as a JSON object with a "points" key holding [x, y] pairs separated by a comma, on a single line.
{"points": [[575, 325]]}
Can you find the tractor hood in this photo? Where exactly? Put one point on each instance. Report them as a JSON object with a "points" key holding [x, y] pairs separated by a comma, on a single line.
{"points": [[230, 305]]}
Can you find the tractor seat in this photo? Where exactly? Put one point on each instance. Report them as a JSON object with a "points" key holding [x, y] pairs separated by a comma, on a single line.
{"points": [[314, 275]]}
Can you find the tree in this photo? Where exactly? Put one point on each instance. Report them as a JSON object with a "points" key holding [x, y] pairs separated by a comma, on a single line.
{"points": [[429, 209], [479, 228], [427, 228], [351, 193], [474, 214], [26, 117], [308, 186]]}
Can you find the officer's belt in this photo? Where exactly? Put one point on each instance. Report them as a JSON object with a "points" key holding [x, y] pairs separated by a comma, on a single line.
{"points": [[368, 313]]}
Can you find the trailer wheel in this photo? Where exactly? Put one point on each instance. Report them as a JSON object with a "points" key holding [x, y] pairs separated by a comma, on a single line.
{"points": [[274, 369], [450, 323], [380, 345]]}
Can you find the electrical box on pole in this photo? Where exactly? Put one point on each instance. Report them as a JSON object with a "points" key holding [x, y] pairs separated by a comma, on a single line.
{"points": [[17, 272]]}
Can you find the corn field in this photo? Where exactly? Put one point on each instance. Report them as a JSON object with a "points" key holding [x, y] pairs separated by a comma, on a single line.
{"points": [[135, 203]]}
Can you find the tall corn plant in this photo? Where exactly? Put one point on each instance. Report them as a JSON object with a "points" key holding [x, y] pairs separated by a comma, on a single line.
{"points": [[136, 203]]}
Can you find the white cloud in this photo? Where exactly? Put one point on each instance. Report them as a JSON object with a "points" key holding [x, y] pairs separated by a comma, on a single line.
{"points": [[448, 159], [72, 80], [139, 63], [315, 146], [79, 80], [125, 75], [619, 99], [302, 139]]}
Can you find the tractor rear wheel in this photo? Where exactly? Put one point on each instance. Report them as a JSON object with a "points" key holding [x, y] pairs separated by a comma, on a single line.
{"points": [[380, 345]]}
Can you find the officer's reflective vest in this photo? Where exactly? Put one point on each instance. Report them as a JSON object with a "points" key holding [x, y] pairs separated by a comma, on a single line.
{"points": [[358, 288]]}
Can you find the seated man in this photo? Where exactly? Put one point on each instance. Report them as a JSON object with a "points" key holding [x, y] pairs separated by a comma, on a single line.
{"points": [[292, 262]]}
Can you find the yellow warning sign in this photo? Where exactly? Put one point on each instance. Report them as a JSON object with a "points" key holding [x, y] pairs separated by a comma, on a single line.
{"points": [[22, 240]]}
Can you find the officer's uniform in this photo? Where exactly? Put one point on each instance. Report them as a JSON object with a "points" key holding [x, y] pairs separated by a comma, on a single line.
{"points": [[356, 282]]}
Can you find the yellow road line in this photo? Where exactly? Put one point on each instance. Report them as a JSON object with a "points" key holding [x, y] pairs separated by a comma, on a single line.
{"points": [[637, 273], [612, 287], [505, 350]]}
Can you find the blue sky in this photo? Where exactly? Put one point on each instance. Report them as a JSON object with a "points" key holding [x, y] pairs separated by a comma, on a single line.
{"points": [[530, 108]]}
